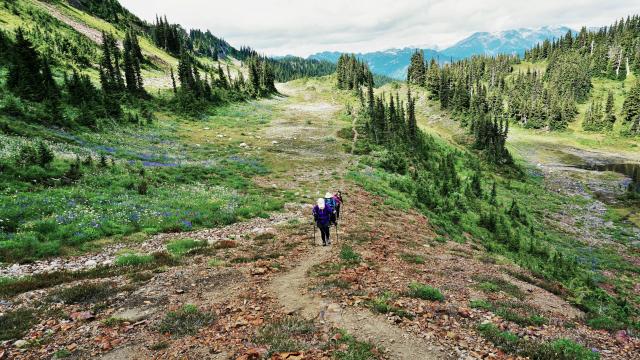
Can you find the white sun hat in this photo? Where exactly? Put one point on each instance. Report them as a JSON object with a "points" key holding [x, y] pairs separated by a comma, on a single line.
{"points": [[321, 203], [328, 195]]}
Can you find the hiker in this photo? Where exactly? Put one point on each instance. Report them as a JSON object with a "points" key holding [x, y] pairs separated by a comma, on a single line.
{"points": [[322, 214], [338, 200]]}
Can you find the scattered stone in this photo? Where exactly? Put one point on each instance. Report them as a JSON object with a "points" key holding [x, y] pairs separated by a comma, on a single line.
{"points": [[133, 315], [91, 263], [244, 145], [21, 343], [259, 271]]}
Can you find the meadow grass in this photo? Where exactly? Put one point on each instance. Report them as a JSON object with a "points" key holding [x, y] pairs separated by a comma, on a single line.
{"points": [[155, 180]]}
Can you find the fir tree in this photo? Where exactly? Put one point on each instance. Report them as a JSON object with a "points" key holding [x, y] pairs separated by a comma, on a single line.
{"points": [[29, 77], [416, 71], [631, 106], [610, 117], [45, 155], [132, 59]]}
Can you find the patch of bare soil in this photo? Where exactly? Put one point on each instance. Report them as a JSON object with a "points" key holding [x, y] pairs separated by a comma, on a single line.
{"points": [[91, 33]]}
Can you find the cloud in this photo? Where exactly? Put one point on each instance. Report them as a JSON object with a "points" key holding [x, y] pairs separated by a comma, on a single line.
{"points": [[279, 27]]}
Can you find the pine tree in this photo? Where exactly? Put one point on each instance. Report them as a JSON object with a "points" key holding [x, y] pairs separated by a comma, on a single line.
{"points": [[610, 117], [631, 106], [416, 71], [25, 77], [222, 80], [173, 82], [132, 59], [412, 125], [493, 198], [432, 80], [45, 155]]}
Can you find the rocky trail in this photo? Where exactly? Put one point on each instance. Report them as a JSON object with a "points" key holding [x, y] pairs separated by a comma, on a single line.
{"points": [[368, 327]]}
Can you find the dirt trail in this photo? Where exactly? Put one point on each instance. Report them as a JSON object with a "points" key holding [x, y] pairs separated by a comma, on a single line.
{"points": [[289, 287], [355, 135], [363, 324]]}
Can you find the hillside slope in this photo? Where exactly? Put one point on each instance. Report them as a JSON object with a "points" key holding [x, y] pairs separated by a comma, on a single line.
{"points": [[182, 227]]}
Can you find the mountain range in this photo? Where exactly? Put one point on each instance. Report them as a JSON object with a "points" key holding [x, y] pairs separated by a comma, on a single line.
{"points": [[394, 62]]}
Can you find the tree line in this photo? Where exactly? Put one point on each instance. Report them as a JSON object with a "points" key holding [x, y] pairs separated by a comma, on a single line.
{"points": [[473, 90], [611, 52]]}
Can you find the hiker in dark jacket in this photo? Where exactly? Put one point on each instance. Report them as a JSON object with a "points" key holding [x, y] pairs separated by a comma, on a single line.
{"points": [[322, 214], [337, 198]]}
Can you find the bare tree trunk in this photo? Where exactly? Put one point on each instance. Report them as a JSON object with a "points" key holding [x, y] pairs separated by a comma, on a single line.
{"points": [[592, 43], [619, 62], [628, 69]]}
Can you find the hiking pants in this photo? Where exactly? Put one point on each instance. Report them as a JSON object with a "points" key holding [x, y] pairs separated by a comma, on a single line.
{"points": [[338, 211], [324, 231]]}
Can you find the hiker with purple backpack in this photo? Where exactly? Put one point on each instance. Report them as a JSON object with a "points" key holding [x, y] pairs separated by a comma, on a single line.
{"points": [[324, 216]]}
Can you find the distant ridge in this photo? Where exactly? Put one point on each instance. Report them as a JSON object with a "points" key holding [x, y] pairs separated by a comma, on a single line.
{"points": [[394, 62]]}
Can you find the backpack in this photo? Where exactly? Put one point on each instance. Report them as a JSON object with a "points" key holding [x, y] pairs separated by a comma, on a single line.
{"points": [[330, 201]]}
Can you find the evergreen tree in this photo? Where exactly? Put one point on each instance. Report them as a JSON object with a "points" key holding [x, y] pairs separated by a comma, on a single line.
{"points": [[416, 71], [412, 125], [29, 77], [45, 155], [631, 106], [610, 117], [432, 80], [132, 59], [173, 81]]}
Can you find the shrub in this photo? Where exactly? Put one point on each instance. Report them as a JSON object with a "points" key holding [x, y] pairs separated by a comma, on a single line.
{"points": [[280, 335], [348, 348], [15, 324], [133, 260], [560, 349], [495, 284], [394, 162], [481, 304], [425, 292], [348, 255], [381, 305], [185, 321], [215, 263], [412, 258], [84, 293], [183, 246]]}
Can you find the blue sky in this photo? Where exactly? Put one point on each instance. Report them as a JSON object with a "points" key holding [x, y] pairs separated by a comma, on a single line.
{"points": [[299, 27]]}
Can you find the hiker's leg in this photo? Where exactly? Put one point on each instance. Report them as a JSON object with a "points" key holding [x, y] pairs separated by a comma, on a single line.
{"points": [[338, 211], [328, 233], [324, 229]]}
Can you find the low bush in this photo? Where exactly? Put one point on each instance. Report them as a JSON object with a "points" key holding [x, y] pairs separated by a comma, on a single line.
{"points": [[281, 335], [15, 324], [133, 260], [348, 348], [412, 258], [559, 349], [84, 293], [185, 321], [348, 255], [382, 304], [183, 246], [425, 292]]}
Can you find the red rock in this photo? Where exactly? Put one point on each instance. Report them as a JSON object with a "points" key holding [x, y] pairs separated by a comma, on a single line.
{"points": [[464, 312], [82, 315], [622, 337]]}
